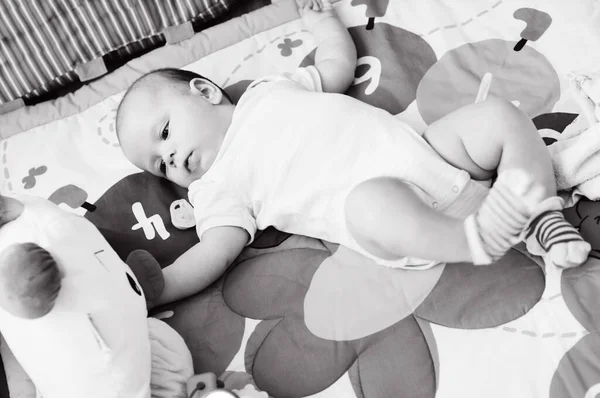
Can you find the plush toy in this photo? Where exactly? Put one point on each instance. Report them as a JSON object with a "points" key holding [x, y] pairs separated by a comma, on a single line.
{"points": [[74, 314], [206, 385]]}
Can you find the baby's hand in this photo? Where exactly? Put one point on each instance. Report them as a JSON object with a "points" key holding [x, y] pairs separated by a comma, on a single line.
{"points": [[312, 11]]}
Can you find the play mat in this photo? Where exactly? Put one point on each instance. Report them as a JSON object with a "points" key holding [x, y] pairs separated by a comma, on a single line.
{"points": [[301, 317]]}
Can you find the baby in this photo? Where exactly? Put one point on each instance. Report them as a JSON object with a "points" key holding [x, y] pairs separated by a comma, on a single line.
{"points": [[296, 155]]}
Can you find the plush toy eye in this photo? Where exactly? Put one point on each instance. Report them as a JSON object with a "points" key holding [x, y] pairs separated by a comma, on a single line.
{"points": [[133, 284]]}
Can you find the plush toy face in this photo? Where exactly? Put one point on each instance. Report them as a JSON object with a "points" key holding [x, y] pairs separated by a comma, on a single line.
{"points": [[93, 341]]}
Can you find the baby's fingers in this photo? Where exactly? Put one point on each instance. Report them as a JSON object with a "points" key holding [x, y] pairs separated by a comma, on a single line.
{"points": [[327, 4], [304, 6]]}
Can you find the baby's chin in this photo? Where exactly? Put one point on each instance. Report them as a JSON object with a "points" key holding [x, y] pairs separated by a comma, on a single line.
{"points": [[183, 183]]}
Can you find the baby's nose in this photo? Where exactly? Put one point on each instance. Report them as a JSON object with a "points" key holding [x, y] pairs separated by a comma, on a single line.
{"points": [[170, 159]]}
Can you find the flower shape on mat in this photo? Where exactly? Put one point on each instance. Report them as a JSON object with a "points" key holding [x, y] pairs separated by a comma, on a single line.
{"points": [[326, 310], [288, 45], [29, 181], [577, 373]]}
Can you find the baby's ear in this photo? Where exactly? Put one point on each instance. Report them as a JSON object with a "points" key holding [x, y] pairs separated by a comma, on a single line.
{"points": [[207, 90]]}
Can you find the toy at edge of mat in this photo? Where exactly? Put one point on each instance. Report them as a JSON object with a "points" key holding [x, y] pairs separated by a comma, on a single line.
{"points": [[74, 314]]}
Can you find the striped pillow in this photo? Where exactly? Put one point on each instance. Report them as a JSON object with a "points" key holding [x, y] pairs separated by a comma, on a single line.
{"points": [[45, 44]]}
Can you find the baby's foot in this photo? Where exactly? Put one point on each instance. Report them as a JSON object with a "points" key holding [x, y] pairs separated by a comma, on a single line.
{"points": [[504, 214], [563, 243]]}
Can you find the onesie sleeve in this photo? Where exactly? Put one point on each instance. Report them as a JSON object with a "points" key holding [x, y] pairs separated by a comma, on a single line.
{"points": [[308, 78], [215, 205]]}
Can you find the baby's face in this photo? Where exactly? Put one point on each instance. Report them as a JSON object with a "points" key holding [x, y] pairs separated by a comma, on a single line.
{"points": [[174, 135]]}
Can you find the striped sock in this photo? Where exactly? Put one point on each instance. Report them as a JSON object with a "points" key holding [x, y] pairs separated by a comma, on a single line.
{"points": [[550, 228], [501, 219]]}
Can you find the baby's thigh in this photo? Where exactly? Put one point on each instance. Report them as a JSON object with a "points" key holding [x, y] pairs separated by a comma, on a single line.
{"points": [[472, 137], [375, 209]]}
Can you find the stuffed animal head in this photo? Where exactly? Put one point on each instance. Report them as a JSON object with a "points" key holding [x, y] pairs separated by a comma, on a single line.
{"points": [[72, 312]]}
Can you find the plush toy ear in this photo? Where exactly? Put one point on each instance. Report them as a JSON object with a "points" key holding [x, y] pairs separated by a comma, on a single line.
{"points": [[10, 209], [2, 211], [30, 280], [148, 273]]}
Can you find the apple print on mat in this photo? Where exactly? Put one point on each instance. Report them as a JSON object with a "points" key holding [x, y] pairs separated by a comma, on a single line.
{"points": [[387, 77], [375, 9], [521, 75]]}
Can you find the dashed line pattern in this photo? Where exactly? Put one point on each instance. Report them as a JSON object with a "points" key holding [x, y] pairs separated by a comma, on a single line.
{"points": [[447, 27], [547, 335], [468, 21], [250, 56], [5, 165], [112, 114]]}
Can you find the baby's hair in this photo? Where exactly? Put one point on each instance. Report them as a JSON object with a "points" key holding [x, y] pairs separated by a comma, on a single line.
{"points": [[176, 78]]}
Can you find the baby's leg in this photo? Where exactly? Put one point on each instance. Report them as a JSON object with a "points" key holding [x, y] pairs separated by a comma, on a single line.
{"points": [[387, 219], [494, 136]]}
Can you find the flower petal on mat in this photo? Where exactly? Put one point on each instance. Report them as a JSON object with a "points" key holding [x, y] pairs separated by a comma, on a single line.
{"points": [[351, 297], [577, 373], [580, 286], [291, 362], [400, 353], [212, 332], [473, 297], [272, 285]]}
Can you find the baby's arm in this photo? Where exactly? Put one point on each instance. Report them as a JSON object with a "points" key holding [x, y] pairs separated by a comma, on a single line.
{"points": [[336, 53], [204, 263]]}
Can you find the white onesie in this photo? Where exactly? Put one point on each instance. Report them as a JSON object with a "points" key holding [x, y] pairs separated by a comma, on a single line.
{"points": [[293, 153]]}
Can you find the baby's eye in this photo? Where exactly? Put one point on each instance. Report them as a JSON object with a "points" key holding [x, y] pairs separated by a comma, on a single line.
{"points": [[163, 167], [165, 132]]}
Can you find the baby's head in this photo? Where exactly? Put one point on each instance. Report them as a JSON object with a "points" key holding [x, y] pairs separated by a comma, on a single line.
{"points": [[172, 122]]}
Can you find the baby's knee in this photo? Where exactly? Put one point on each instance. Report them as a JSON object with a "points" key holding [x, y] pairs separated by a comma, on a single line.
{"points": [[369, 208], [367, 203], [502, 112]]}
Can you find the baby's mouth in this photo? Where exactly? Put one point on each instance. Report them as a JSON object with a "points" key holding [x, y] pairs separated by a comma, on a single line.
{"points": [[187, 163]]}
